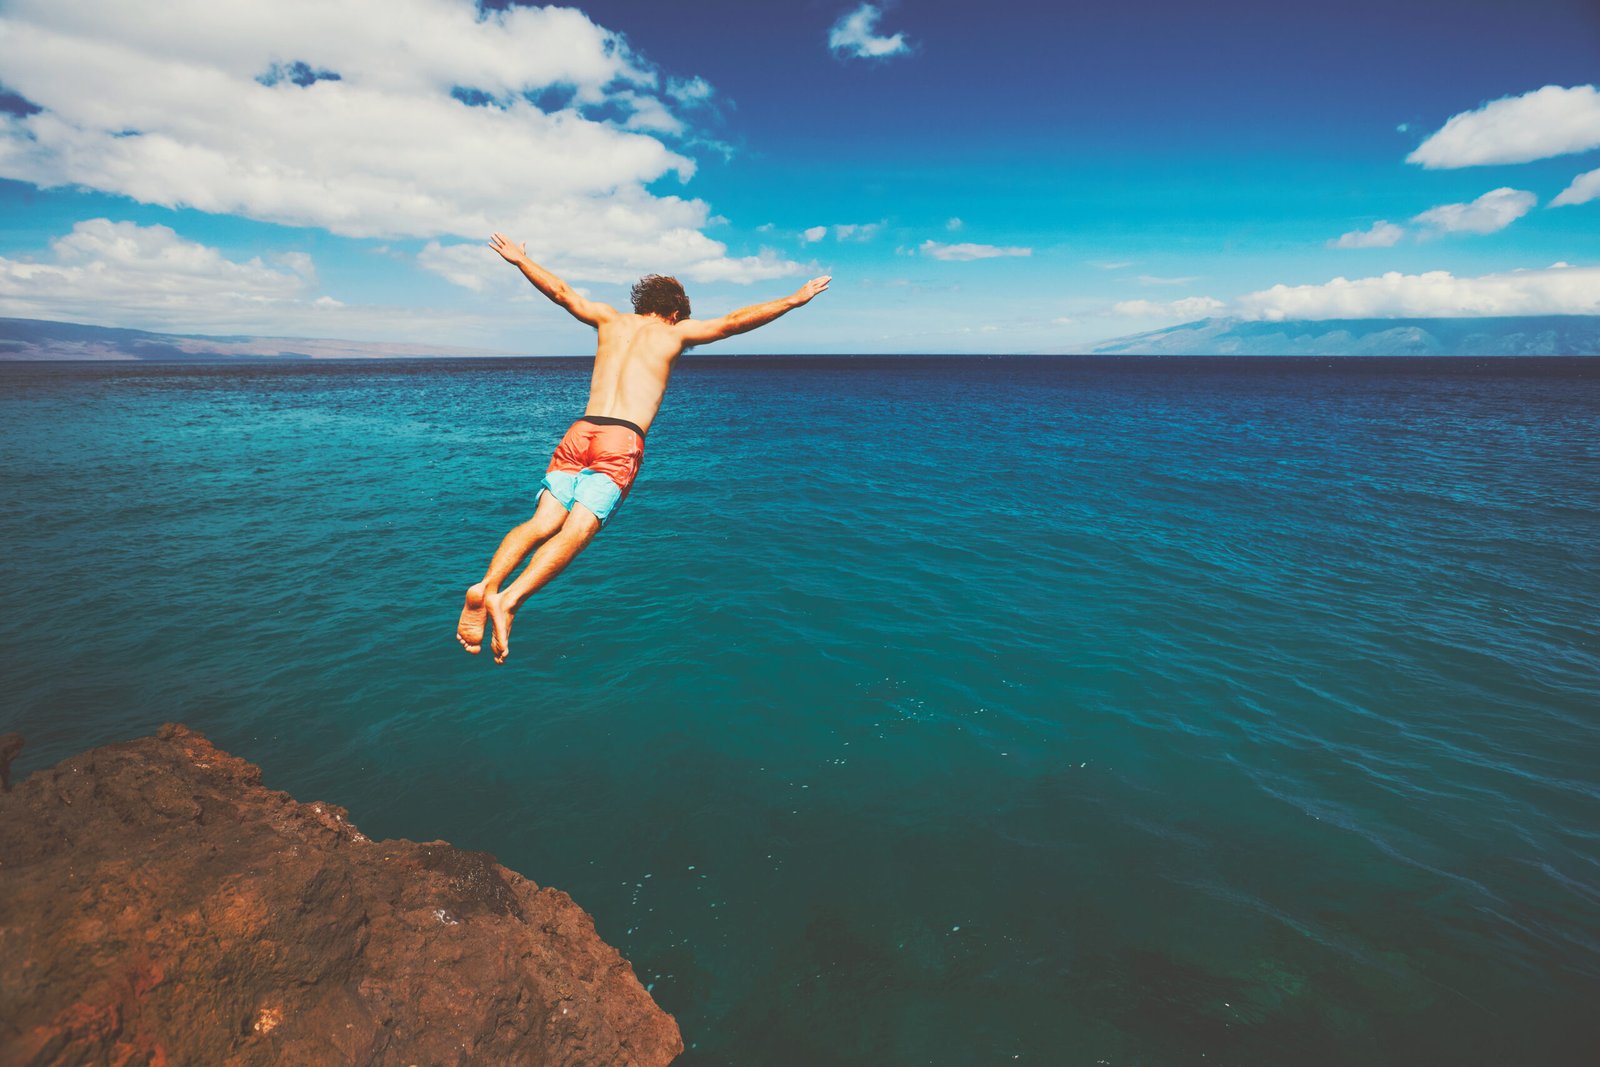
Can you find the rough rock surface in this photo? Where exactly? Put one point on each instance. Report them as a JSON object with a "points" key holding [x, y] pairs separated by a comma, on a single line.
{"points": [[159, 906]]}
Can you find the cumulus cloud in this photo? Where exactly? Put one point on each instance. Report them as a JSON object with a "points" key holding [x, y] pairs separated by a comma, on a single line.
{"points": [[958, 253], [1491, 212], [465, 264], [1556, 290], [1584, 188], [122, 274], [845, 231], [689, 91], [857, 231], [1381, 234], [855, 35], [149, 275], [1189, 307], [953, 223], [1552, 121], [419, 119]]}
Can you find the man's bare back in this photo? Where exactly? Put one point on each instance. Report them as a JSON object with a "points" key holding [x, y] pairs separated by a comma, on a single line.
{"points": [[595, 463], [635, 353]]}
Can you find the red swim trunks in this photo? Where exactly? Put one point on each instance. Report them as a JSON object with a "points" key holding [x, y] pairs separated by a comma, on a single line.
{"points": [[595, 464]]}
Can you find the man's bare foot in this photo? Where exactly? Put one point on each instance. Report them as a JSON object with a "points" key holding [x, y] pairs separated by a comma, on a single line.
{"points": [[500, 618], [469, 631]]}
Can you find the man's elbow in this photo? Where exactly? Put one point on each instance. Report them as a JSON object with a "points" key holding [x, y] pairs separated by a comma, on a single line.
{"points": [[712, 330]]}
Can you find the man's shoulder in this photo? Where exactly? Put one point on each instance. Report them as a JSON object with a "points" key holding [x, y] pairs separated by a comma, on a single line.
{"points": [[632, 320]]}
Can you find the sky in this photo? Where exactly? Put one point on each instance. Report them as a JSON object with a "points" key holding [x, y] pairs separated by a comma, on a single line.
{"points": [[1003, 177]]}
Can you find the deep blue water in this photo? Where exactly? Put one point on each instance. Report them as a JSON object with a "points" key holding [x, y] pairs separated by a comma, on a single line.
{"points": [[911, 711]]}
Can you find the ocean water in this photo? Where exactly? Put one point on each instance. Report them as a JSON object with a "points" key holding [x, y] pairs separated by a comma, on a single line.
{"points": [[911, 711]]}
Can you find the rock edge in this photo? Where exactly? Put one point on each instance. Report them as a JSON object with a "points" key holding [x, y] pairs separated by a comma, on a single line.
{"points": [[159, 905]]}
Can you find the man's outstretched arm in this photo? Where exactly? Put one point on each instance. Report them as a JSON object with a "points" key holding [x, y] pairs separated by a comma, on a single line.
{"points": [[698, 332], [591, 311]]}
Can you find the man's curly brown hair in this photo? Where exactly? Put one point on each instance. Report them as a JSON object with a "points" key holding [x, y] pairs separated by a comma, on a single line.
{"points": [[657, 294]]}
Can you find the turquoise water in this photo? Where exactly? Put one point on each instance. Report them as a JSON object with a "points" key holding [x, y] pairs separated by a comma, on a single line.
{"points": [[911, 711]]}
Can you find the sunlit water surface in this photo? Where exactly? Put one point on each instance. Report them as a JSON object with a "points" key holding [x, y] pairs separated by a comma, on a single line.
{"points": [[911, 711]]}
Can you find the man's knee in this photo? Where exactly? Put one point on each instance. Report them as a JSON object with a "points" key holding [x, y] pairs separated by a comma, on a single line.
{"points": [[580, 525]]}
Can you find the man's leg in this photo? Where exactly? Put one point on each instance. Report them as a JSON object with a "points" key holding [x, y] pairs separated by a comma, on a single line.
{"points": [[549, 560], [547, 519]]}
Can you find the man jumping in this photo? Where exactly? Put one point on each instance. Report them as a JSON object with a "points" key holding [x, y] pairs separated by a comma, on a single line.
{"points": [[599, 457]]}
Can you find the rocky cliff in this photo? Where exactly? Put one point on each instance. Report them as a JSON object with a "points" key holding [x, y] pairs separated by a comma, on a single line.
{"points": [[158, 905]]}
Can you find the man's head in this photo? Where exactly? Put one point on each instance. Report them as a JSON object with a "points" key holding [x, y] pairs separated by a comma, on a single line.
{"points": [[662, 296]]}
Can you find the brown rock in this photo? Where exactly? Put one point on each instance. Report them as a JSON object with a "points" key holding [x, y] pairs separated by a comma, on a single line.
{"points": [[10, 745], [159, 906]]}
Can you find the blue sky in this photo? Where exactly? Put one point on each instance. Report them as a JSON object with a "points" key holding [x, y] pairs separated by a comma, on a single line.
{"points": [[1001, 177]]}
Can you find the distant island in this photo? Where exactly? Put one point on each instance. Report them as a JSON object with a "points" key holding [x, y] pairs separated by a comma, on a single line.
{"points": [[40, 339], [1543, 335]]}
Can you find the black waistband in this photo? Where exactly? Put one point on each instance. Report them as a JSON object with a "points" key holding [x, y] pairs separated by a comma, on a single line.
{"points": [[607, 420]]}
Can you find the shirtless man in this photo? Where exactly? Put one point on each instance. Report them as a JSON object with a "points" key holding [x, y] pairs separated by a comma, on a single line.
{"points": [[599, 457]]}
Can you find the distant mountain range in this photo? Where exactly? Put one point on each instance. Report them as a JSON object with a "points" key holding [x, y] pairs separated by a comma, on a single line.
{"points": [[1544, 335], [41, 339], [1547, 335]]}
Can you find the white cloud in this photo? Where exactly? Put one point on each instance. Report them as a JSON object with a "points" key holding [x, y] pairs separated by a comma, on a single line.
{"points": [[1121, 264], [958, 253], [1382, 234], [1491, 212], [855, 34], [766, 264], [1190, 307], [857, 231], [148, 275], [1584, 188], [429, 130], [689, 91], [1151, 279], [472, 266], [814, 234], [1555, 290], [123, 274], [467, 266], [953, 224], [1552, 121]]}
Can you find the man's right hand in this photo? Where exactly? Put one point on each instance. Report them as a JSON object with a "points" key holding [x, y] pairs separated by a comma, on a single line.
{"points": [[511, 253], [804, 294]]}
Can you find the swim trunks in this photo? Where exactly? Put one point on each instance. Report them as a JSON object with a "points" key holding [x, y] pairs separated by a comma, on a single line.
{"points": [[595, 464]]}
